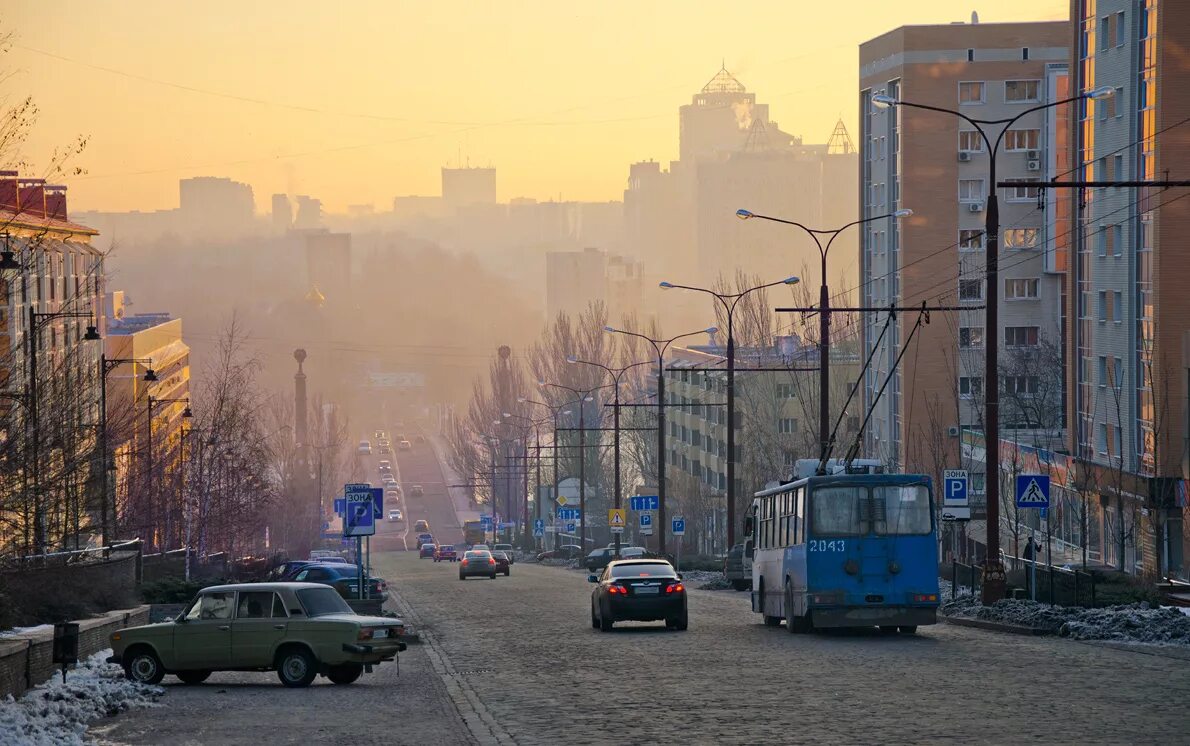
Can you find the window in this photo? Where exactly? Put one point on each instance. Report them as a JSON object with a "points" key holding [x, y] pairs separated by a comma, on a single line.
{"points": [[970, 141], [1102, 370], [836, 511], [1106, 33], [977, 483], [971, 92], [1024, 53], [970, 55], [1021, 193], [971, 190], [256, 605], [1021, 139], [1021, 336], [1118, 108], [1101, 439], [970, 289], [322, 601], [1120, 27], [785, 390], [1020, 238], [1117, 239], [215, 606], [1019, 289], [1118, 373], [970, 240], [1021, 385], [906, 510], [1101, 240], [1021, 91], [1102, 306], [971, 336], [787, 425], [1119, 167], [970, 386], [1117, 307]]}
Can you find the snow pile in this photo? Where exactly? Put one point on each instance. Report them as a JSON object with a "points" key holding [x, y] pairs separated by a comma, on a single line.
{"points": [[21, 631], [1139, 622], [706, 580], [57, 713], [944, 590]]}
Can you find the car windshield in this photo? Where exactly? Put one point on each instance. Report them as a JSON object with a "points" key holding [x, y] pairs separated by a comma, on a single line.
{"points": [[477, 555], [500, 555], [643, 570], [884, 510], [322, 601]]}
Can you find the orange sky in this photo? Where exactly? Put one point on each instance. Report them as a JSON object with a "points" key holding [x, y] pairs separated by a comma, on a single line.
{"points": [[358, 102]]}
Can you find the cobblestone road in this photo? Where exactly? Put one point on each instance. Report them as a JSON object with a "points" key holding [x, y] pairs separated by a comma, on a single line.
{"points": [[524, 665]]}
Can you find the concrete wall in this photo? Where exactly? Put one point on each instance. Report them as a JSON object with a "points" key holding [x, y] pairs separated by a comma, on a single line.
{"points": [[25, 660]]}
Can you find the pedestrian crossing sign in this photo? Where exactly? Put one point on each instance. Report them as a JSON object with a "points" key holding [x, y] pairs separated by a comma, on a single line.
{"points": [[616, 520], [1032, 491]]}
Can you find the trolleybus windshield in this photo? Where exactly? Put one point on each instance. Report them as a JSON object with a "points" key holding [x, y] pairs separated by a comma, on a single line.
{"points": [[886, 510]]}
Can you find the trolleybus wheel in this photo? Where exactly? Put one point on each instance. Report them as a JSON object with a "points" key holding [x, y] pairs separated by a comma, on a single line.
{"points": [[886, 629], [793, 622], [909, 629]]}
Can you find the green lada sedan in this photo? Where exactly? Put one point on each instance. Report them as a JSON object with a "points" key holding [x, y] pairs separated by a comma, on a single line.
{"points": [[299, 630]]}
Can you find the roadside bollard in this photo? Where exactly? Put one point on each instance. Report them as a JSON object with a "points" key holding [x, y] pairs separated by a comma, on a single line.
{"points": [[66, 645]]}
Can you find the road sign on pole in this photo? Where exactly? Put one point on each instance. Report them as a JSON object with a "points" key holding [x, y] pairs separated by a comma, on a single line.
{"points": [[678, 526], [359, 517], [1032, 491], [570, 527], [646, 523], [378, 503], [615, 520], [644, 502], [339, 506], [539, 527], [955, 483]]}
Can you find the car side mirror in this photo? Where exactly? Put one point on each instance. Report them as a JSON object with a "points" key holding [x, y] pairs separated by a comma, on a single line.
{"points": [[679, 576], [749, 549], [748, 526], [592, 578]]}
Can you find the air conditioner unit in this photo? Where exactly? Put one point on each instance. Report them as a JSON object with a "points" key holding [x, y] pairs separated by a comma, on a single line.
{"points": [[964, 156], [974, 207], [952, 431], [1033, 165], [1033, 155]]}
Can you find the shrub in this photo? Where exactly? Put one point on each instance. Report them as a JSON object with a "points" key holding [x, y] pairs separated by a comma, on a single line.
{"points": [[174, 590]]}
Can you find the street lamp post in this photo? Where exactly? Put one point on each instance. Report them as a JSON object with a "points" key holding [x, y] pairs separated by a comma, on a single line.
{"points": [[187, 414], [584, 396], [729, 301], [33, 335], [615, 374], [824, 316], [659, 348], [554, 412], [537, 492], [994, 578], [106, 366]]}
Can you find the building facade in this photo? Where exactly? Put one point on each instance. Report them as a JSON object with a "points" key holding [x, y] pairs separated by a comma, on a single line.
{"points": [[937, 165]]}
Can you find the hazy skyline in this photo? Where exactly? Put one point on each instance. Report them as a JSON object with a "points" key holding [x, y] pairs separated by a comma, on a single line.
{"points": [[358, 107]]}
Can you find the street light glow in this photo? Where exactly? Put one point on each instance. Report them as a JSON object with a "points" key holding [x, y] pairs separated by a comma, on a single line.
{"points": [[744, 214], [666, 285], [571, 359], [712, 330], [1102, 92], [883, 101], [611, 329], [791, 280], [904, 212]]}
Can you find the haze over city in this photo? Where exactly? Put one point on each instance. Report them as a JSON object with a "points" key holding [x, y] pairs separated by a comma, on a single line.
{"points": [[582, 373]]}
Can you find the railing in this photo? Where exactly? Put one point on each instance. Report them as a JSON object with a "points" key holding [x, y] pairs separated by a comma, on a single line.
{"points": [[60, 559]]}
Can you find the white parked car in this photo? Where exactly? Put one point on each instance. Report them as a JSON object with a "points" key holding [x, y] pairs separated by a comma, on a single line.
{"points": [[394, 515]]}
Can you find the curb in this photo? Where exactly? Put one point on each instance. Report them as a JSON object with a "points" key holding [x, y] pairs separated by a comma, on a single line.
{"points": [[1014, 629]]}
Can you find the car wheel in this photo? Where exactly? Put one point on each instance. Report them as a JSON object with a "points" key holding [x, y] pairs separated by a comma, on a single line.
{"points": [[492, 576], [679, 623], [594, 619], [769, 621], [345, 673], [462, 576], [193, 677], [909, 629], [296, 667], [144, 667], [605, 620], [888, 629], [507, 573]]}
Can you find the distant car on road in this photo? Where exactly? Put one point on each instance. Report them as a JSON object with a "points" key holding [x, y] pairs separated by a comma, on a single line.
{"points": [[365, 447], [446, 553], [638, 590], [379, 435], [343, 578], [384, 465], [737, 568], [507, 549], [503, 562], [387, 478], [298, 630], [566, 551], [419, 439], [477, 562], [404, 445], [481, 548], [421, 525], [425, 538], [598, 559], [395, 514], [327, 555], [427, 550], [417, 490]]}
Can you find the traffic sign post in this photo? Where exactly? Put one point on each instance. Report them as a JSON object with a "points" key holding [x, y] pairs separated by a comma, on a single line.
{"points": [[616, 520], [644, 502], [955, 484], [378, 503], [1032, 491], [359, 517], [646, 523], [678, 528], [539, 528]]}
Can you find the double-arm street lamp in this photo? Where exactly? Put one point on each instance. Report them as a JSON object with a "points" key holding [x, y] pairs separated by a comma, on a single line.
{"points": [[824, 313], [583, 396], [729, 301], [555, 410], [33, 334], [994, 578], [106, 366], [536, 425], [616, 374], [659, 348]]}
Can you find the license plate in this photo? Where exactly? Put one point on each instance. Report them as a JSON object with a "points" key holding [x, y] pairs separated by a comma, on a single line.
{"points": [[647, 590], [380, 633]]}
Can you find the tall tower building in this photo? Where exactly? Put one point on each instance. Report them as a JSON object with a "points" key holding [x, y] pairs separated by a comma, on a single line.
{"points": [[937, 165]]}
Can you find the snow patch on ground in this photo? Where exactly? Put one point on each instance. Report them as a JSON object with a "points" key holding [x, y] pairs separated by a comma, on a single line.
{"points": [[57, 713], [21, 631], [706, 580], [1137, 623]]}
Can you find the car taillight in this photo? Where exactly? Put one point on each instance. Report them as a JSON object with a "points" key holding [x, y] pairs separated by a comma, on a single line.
{"points": [[491, 561], [365, 633], [617, 589], [675, 588], [925, 597], [464, 562]]}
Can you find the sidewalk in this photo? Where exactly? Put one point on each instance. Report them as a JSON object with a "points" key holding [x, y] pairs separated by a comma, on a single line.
{"points": [[458, 495]]}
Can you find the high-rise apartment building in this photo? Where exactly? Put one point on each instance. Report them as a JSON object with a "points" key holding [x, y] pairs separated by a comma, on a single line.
{"points": [[937, 165], [1129, 307]]}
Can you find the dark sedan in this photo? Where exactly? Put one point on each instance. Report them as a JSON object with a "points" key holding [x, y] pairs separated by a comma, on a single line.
{"points": [[427, 551], [638, 590], [566, 551], [503, 563], [477, 563], [598, 559], [342, 577]]}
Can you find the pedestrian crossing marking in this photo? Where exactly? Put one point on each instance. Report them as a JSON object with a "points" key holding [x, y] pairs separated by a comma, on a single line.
{"points": [[1033, 495]]}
